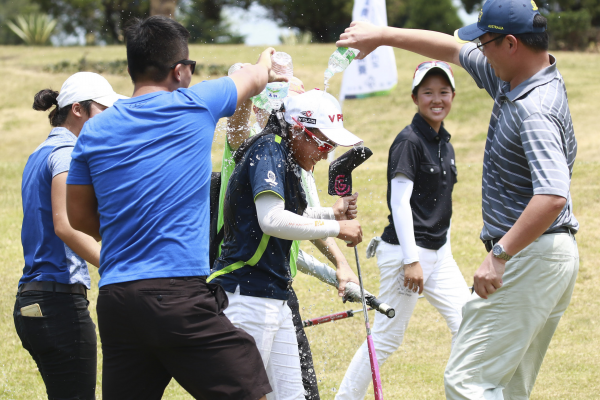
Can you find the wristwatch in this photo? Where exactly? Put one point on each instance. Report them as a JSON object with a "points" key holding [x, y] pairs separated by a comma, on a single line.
{"points": [[499, 252]]}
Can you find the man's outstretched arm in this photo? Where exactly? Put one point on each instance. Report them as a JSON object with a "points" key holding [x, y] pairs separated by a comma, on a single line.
{"points": [[366, 37]]}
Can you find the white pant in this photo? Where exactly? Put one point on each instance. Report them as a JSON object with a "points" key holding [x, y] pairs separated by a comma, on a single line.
{"points": [[502, 341], [444, 287], [269, 322]]}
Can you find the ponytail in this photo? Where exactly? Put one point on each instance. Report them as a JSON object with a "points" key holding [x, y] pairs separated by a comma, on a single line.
{"points": [[44, 99], [275, 125]]}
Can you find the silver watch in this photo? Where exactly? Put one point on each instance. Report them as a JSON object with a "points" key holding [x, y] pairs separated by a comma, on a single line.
{"points": [[499, 252]]}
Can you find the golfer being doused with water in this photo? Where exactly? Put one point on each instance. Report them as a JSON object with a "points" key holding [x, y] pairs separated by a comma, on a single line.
{"points": [[265, 211]]}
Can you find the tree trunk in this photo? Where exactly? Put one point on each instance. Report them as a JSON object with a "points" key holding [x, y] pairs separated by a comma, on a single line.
{"points": [[163, 7]]}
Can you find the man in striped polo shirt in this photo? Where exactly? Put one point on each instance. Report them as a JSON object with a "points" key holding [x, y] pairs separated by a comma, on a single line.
{"points": [[525, 283]]}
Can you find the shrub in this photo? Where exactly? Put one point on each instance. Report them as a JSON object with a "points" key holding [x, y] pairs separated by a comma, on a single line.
{"points": [[570, 30], [35, 29]]}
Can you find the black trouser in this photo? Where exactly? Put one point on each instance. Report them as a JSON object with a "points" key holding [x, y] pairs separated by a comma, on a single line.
{"points": [[62, 342], [309, 377], [153, 330]]}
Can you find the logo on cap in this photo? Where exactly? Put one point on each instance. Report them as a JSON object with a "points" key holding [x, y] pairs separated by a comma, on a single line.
{"points": [[535, 8], [307, 113], [340, 117]]}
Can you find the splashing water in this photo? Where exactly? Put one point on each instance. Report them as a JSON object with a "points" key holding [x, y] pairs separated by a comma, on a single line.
{"points": [[338, 62]]}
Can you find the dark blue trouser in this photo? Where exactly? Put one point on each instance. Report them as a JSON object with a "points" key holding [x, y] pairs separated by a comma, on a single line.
{"points": [[62, 342]]}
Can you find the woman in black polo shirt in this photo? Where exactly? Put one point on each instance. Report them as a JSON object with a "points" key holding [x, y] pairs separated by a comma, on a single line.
{"points": [[414, 253]]}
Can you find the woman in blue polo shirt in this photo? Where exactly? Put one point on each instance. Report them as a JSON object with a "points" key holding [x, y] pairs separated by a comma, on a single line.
{"points": [[413, 253], [51, 310], [265, 210]]}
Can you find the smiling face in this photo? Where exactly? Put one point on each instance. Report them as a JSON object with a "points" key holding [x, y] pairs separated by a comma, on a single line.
{"points": [[305, 149], [434, 99]]}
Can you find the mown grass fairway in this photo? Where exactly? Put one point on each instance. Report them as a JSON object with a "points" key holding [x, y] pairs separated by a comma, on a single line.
{"points": [[571, 369]]}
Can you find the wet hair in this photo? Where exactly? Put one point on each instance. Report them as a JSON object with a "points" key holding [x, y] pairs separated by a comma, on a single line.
{"points": [[153, 45], [535, 41], [274, 125], [432, 72], [44, 99]]}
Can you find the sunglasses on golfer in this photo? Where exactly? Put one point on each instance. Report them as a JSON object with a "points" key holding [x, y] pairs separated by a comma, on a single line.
{"points": [[322, 146], [185, 62], [430, 64]]}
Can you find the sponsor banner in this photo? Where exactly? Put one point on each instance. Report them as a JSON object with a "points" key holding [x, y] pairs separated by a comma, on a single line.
{"points": [[376, 75]]}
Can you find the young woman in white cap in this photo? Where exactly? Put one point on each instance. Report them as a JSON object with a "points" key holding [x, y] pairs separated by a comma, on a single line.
{"points": [[51, 310], [265, 211], [238, 131], [413, 253]]}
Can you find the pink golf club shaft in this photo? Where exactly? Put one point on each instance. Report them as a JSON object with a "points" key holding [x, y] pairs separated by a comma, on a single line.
{"points": [[371, 346], [377, 388]]}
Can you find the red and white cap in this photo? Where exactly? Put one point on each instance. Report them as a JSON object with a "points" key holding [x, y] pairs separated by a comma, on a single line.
{"points": [[84, 86], [423, 69], [318, 109]]}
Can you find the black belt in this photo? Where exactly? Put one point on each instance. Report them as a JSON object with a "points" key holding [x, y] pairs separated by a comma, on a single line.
{"points": [[44, 286], [490, 243]]}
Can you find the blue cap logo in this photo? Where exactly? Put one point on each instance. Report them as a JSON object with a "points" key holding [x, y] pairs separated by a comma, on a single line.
{"points": [[509, 17]]}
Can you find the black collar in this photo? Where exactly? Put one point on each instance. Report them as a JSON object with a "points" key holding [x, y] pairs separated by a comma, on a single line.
{"points": [[427, 131]]}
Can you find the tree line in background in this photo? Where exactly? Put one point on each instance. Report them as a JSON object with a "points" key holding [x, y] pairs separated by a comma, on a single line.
{"points": [[574, 24]]}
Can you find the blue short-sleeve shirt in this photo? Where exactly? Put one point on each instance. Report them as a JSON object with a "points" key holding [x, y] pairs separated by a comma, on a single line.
{"points": [[267, 166], [47, 257], [149, 160]]}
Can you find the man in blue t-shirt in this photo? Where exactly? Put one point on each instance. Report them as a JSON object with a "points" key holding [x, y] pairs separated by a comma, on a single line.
{"points": [[140, 179]]}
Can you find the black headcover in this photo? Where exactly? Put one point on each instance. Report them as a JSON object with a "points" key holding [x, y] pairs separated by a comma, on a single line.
{"points": [[215, 236], [340, 170]]}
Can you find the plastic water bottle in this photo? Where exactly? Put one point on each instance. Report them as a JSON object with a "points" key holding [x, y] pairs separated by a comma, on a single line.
{"points": [[261, 101], [276, 92], [339, 61]]}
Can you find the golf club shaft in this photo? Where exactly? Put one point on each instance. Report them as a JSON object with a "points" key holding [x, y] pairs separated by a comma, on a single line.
{"points": [[331, 317], [371, 346]]}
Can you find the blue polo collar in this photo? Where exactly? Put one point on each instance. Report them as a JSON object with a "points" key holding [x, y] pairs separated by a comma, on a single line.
{"points": [[62, 131]]}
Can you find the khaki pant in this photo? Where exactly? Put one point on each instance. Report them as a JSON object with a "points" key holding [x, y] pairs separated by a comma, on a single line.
{"points": [[502, 341]]}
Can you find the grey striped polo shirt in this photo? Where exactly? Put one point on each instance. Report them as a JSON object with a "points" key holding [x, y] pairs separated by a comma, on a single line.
{"points": [[530, 147]]}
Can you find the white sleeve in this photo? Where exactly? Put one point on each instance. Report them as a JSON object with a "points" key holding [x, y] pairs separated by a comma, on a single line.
{"points": [[402, 188], [309, 265], [275, 221], [319, 213]]}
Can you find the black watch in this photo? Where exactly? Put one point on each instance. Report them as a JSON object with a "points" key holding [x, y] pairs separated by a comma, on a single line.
{"points": [[499, 252]]}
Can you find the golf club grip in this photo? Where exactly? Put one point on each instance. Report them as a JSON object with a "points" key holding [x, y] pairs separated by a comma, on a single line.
{"points": [[381, 307]]}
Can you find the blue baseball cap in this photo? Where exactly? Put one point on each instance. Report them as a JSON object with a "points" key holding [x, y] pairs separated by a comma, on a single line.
{"points": [[509, 17]]}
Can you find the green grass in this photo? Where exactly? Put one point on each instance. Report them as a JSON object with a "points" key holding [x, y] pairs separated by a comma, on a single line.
{"points": [[571, 369]]}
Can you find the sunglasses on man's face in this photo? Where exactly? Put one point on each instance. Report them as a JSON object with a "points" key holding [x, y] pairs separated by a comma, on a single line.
{"points": [[323, 147], [185, 62]]}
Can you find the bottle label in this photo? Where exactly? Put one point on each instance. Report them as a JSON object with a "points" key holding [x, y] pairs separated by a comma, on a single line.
{"points": [[277, 90]]}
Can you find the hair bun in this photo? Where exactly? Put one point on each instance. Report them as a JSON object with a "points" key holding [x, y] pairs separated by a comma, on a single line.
{"points": [[44, 99]]}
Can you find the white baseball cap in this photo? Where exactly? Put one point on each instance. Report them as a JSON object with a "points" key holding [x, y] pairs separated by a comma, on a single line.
{"points": [[318, 109], [423, 68], [84, 86]]}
